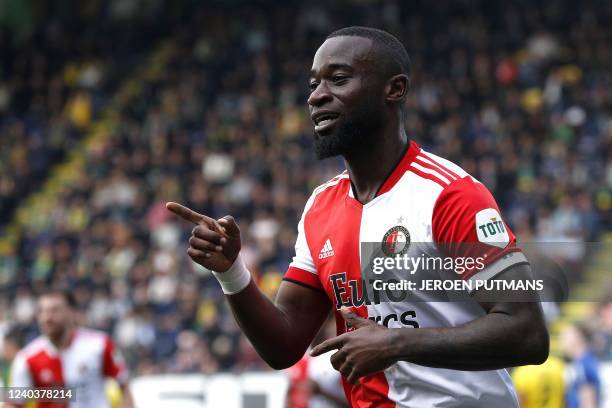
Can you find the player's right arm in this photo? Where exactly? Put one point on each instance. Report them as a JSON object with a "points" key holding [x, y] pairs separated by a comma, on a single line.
{"points": [[280, 331], [19, 377]]}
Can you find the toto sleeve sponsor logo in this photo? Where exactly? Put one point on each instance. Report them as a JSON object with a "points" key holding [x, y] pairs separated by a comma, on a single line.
{"points": [[490, 228]]}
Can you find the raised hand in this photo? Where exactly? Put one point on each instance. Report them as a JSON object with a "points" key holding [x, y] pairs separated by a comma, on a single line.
{"points": [[214, 244]]}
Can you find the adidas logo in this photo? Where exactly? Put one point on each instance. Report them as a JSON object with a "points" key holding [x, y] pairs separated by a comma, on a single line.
{"points": [[327, 250]]}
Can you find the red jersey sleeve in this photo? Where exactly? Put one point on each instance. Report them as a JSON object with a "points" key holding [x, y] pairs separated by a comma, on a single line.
{"points": [[466, 223], [113, 364]]}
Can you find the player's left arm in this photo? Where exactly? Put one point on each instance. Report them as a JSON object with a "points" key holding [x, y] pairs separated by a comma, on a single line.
{"points": [[587, 396], [588, 382], [315, 389], [114, 367], [19, 377], [511, 333], [127, 401]]}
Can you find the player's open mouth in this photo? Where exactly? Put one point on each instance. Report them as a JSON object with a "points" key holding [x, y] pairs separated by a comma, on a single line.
{"points": [[324, 121]]}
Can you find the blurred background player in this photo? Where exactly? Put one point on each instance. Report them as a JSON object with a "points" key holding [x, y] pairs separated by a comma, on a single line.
{"points": [[12, 342], [603, 332], [325, 383], [603, 345], [68, 356], [313, 381], [541, 386], [583, 386]]}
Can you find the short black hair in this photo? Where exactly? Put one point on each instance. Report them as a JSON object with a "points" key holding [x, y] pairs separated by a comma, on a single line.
{"points": [[585, 331], [386, 43], [16, 334], [67, 295], [605, 301]]}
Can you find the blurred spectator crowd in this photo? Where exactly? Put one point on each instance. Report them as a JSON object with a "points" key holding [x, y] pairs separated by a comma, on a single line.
{"points": [[518, 93], [59, 67]]}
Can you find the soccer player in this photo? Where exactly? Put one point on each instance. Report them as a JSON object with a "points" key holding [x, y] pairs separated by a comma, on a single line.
{"points": [[313, 381], [12, 342], [583, 388], [424, 354], [66, 356], [541, 386], [325, 382]]}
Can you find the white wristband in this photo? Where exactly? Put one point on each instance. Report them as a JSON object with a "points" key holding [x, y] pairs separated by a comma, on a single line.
{"points": [[235, 279]]}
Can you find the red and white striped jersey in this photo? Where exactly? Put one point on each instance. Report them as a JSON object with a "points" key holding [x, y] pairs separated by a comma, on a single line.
{"points": [[426, 200], [83, 365]]}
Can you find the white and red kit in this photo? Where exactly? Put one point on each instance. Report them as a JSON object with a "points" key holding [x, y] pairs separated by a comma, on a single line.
{"points": [[319, 370], [298, 393], [83, 365], [427, 204]]}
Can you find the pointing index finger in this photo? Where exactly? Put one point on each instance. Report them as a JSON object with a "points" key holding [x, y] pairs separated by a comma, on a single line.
{"points": [[185, 213], [330, 344]]}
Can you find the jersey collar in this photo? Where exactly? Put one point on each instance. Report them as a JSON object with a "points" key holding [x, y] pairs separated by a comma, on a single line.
{"points": [[412, 149], [54, 349]]}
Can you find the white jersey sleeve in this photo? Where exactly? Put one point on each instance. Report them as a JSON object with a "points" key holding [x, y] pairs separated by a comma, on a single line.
{"points": [[20, 373], [303, 258], [302, 269]]}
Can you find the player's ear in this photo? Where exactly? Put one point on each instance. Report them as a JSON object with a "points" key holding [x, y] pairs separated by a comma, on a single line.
{"points": [[397, 88]]}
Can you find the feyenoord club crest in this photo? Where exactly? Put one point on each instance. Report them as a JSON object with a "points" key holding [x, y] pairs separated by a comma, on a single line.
{"points": [[396, 241]]}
